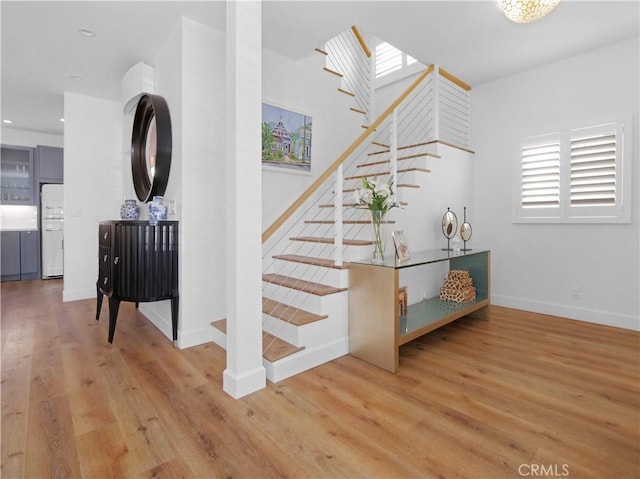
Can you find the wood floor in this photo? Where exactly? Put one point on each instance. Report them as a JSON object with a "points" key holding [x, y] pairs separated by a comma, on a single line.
{"points": [[521, 395]]}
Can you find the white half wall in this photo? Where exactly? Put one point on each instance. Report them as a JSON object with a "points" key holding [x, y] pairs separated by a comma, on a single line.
{"points": [[92, 177], [543, 267]]}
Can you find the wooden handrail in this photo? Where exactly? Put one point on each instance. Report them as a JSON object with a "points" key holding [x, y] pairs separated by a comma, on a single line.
{"points": [[334, 166], [361, 41], [455, 80]]}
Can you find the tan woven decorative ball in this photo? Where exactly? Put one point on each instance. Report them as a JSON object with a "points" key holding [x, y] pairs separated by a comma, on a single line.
{"points": [[458, 287]]}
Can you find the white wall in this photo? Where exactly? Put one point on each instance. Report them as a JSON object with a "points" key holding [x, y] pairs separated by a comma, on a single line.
{"points": [[92, 174], [188, 76], [203, 192], [304, 86], [538, 266], [14, 136], [168, 84], [447, 185]]}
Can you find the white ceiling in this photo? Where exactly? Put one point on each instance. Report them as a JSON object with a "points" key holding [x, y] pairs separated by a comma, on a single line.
{"points": [[42, 49]]}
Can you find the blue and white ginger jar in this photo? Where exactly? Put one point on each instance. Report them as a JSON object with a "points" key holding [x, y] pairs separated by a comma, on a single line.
{"points": [[157, 210], [130, 210]]}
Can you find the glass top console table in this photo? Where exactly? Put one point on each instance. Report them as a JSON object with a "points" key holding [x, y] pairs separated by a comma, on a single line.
{"points": [[376, 329]]}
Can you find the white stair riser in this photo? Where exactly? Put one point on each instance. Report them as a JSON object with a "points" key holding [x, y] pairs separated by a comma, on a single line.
{"points": [[316, 333], [299, 299], [318, 274], [309, 248], [281, 329], [306, 359]]}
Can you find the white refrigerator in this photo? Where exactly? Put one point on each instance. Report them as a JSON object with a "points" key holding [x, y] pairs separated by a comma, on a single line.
{"points": [[52, 228]]}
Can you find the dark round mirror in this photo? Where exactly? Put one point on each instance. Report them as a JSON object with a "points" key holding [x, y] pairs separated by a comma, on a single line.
{"points": [[151, 147]]}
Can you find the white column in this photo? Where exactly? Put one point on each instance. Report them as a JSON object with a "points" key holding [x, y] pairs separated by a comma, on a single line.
{"points": [[245, 372]]}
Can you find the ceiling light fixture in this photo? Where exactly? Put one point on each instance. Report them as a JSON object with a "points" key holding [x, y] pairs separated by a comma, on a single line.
{"points": [[8, 122], [87, 33], [525, 11]]}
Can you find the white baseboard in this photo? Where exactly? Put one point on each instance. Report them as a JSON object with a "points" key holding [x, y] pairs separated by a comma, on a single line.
{"points": [[78, 294], [305, 360], [566, 311], [239, 385], [186, 339]]}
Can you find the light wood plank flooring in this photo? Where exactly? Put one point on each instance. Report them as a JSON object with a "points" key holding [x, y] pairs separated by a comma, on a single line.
{"points": [[504, 398]]}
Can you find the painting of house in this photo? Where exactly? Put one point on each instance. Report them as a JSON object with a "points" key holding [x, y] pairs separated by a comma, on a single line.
{"points": [[286, 139]]}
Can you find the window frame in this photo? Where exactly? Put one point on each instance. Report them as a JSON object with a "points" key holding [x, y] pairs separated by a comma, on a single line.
{"points": [[565, 212]]}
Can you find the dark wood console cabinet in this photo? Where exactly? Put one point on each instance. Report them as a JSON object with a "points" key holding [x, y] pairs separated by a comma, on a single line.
{"points": [[138, 262]]}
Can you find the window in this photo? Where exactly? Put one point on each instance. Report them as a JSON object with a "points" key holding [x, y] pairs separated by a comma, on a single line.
{"points": [[578, 176], [541, 172], [389, 59]]}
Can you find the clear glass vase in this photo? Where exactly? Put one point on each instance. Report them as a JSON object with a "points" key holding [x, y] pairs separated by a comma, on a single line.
{"points": [[379, 235]]}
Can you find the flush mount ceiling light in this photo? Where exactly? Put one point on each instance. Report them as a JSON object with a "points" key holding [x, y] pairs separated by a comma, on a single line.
{"points": [[86, 32], [525, 11]]}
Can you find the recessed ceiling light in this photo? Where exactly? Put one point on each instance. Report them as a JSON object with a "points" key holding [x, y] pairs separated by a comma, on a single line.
{"points": [[62, 120], [86, 33], [75, 77], [8, 122]]}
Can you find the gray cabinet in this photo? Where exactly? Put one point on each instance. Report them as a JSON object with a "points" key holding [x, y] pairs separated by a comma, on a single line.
{"points": [[10, 255], [29, 255], [17, 183], [50, 164], [20, 255]]}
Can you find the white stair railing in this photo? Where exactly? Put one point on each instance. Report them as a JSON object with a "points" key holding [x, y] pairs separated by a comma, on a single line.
{"points": [[329, 212], [396, 144], [346, 55]]}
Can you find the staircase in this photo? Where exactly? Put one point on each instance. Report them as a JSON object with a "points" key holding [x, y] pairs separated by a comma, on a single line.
{"points": [[307, 250]]}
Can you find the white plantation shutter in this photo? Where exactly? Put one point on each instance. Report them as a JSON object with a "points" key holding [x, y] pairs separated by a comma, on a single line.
{"points": [[540, 181], [593, 165], [575, 176]]}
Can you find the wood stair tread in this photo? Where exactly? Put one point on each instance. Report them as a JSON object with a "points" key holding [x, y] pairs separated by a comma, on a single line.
{"points": [[291, 315], [273, 348], [400, 158], [320, 50], [333, 72], [316, 239], [345, 222], [327, 263], [352, 205], [404, 147], [301, 285], [385, 173], [346, 92], [399, 185]]}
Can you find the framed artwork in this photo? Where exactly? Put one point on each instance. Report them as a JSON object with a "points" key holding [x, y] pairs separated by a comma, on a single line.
{"points": [[400, 242], [286, 139]]}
